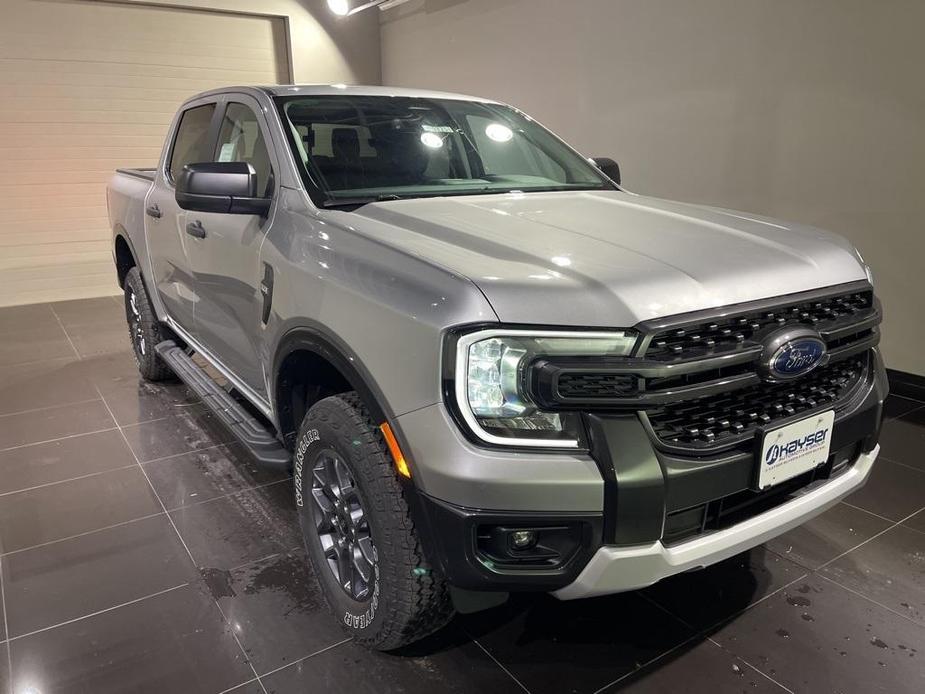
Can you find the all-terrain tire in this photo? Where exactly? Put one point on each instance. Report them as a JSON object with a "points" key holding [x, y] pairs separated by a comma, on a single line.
{"points": [[144, 329], [405, 599]]}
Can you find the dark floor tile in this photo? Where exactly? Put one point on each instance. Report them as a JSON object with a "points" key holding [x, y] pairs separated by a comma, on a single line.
{"points": [[893, 491], [5, 683], [62, 510], [231, 531], [32, 343], [276, 608], [199, 476], [43, 384], [818, 637], [889, 569], [90, 340], [173, 642], [141, 401], [36, 315], [699, 667], [252, 687], [3, 633], [709, 596], [896, 406], [44, 463], [828, 535], [187, 431], [53, 423], [445, 662], [64, 580], [88, 311], [903, 439], [917, 521], [111, 373], [579, 646]]}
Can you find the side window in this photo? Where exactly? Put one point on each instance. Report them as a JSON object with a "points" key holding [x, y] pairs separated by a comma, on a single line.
{"points": [[191, 142], [240, 139]]}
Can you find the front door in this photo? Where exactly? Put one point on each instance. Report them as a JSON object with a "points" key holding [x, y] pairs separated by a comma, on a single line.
{"points": [[165, 220], [225, 253]]}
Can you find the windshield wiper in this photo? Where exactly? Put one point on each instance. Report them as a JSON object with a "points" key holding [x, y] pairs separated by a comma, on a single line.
{"points": [[356, 202]]}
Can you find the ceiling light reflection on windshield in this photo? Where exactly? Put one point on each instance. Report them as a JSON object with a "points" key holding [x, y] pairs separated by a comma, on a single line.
{"points": [[561, 260], [432, 140], [498, 132]]}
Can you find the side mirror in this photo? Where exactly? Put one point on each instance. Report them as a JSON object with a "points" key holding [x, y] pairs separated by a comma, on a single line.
{"points": [[220, 186], [610, 168]]}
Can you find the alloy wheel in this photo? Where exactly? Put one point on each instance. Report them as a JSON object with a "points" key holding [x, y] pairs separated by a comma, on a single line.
{"points": [[342, 526], [136, 330]]}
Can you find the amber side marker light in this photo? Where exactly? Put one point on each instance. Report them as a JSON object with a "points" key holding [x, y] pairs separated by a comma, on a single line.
{"points": [[400, 463]]}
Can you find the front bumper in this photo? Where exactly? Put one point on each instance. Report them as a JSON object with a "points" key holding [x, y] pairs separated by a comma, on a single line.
{"points": [[626, 506], [616, 569]]}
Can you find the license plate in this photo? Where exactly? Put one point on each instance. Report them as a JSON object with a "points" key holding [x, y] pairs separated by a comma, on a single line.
{"points": [[795, 449]]}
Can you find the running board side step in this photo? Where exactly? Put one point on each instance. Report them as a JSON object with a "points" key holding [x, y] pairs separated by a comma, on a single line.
{"points": [[261, 443]]}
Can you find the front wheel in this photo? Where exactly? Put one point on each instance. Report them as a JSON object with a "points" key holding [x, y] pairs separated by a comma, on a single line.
{"points": [[144, 329], [358, 531]]}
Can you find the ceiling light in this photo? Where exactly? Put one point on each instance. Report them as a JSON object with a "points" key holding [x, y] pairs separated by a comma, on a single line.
{"points": [[339, 7], [342, 7]]}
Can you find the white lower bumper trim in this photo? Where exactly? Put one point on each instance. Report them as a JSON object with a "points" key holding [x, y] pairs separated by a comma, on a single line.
{"points": [[617, 569]]}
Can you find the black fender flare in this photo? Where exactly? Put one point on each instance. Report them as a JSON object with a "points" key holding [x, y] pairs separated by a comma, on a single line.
{"points": [[314, 338]]}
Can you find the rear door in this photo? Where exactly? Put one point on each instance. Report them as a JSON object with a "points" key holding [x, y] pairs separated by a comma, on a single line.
{"points": [[225, 259], [165, 222]]}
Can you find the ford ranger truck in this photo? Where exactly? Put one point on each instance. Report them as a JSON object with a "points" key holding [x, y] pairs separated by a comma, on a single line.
{"points": [[488, 366]]}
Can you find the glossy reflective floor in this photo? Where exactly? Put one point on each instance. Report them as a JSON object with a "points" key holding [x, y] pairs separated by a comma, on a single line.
{"points": [[143, 552]]}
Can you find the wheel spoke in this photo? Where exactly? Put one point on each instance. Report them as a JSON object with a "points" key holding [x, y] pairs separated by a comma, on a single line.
{"points": [[361, 564], [341, 524], [344, 571], [321, 499]]}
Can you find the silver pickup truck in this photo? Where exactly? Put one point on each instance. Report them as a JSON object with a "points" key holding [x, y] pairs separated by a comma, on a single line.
{"points": [[490, 367]]}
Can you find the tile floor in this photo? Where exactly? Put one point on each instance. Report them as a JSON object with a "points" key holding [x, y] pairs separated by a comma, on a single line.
{"points": [[141, 551]]}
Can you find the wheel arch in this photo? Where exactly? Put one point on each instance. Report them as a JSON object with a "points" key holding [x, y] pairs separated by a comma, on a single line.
{"points": [[335, 369], [123, 253]]}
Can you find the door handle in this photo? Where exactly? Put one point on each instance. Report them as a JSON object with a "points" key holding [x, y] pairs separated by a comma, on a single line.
{"points": [[196, 229], [153, 211]]}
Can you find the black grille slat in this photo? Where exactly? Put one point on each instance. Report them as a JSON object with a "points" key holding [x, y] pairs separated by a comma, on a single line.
{"points": [[595, 385], [735, 415], [719, 335]]}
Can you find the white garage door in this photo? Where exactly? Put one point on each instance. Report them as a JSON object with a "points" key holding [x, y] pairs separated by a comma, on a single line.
{"points": [[86, 87]]}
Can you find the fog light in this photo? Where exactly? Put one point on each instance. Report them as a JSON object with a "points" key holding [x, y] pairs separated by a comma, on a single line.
{"points": [[523, 539]]}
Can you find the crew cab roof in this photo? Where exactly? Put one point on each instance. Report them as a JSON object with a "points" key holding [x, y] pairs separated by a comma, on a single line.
{"points": [[340, 89]]}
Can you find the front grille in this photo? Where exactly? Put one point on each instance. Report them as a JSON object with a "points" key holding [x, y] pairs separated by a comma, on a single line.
{"points": [[727, 333], [733, 416], [596, 385]]}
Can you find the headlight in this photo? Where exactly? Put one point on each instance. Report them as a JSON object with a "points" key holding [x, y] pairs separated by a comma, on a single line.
{"points": [[490, 385]]}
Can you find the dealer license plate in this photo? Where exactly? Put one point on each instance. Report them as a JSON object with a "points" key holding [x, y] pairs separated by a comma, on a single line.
{"points": [[795, 449]]}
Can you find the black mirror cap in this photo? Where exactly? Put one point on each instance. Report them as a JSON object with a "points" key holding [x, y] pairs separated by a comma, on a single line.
{"points": [[610, 168], [229, 187]]}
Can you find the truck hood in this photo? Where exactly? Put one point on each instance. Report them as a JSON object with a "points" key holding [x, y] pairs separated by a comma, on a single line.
{"points": [[610, 258]]}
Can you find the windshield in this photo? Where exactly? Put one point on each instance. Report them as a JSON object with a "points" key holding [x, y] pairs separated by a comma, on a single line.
{"points": [[355, 149]]}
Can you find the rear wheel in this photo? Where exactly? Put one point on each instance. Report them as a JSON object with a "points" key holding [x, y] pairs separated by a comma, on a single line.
{"points": [[358, 531], [144, 329]]}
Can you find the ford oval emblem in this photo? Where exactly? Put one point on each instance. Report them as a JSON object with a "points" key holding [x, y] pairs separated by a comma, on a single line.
{"points": [[792, 354]]}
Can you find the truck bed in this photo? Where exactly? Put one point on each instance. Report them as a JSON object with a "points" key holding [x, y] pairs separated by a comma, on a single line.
{"points": [[146, 173]]}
